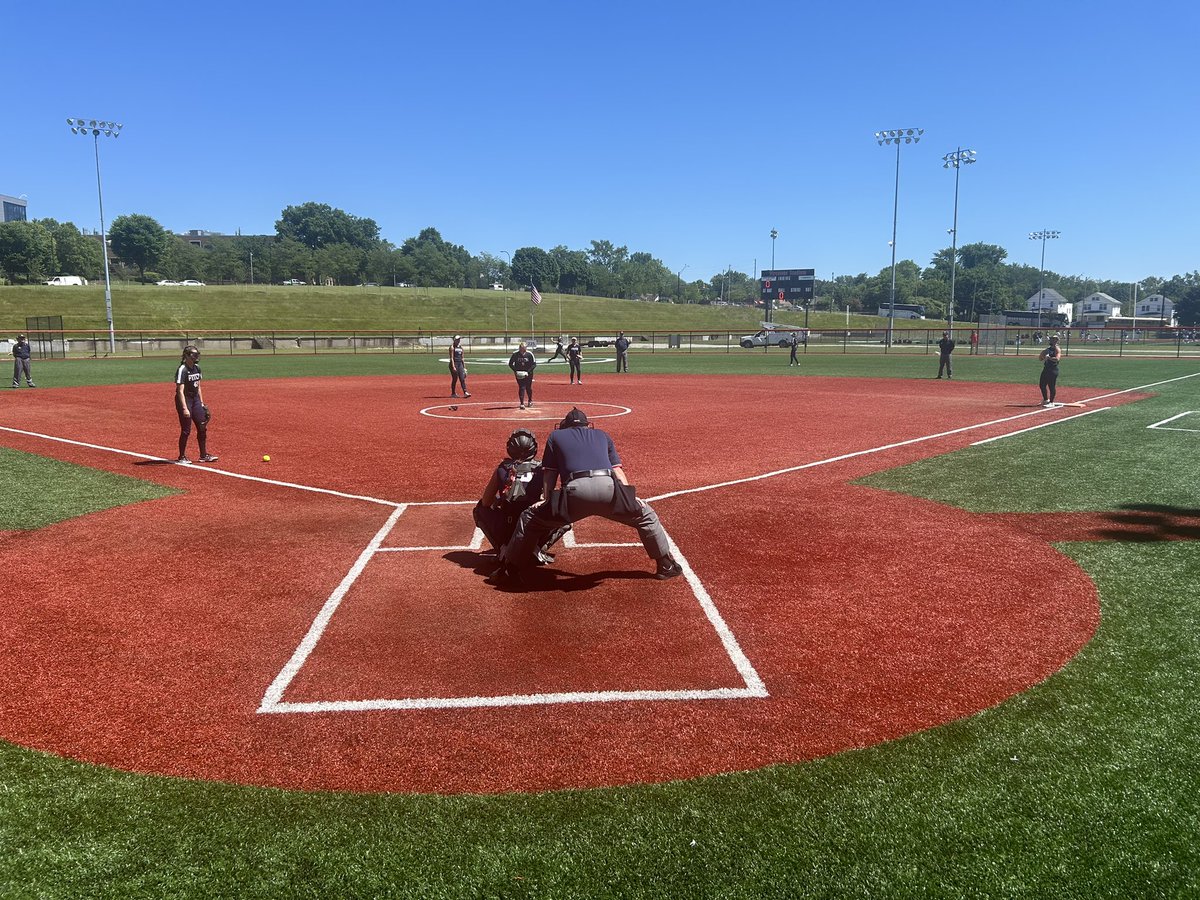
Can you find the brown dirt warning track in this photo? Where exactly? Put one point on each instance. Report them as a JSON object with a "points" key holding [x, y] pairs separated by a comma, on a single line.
{"points": [[177, 636]]}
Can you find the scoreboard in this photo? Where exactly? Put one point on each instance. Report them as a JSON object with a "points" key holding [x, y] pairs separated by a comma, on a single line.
{"points": [[793, 285]]}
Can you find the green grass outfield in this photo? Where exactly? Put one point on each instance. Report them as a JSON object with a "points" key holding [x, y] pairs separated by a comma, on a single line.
{"points": [[1085, 786]]}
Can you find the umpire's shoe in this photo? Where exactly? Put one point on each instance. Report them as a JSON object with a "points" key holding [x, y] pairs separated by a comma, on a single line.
{"points": [[667, 568]]}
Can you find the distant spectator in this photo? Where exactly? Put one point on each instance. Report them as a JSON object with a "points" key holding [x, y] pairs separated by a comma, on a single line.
{"points": [[974, 343]]}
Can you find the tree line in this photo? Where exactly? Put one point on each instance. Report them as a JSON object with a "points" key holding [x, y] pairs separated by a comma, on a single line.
{"points": [[318, 244]]}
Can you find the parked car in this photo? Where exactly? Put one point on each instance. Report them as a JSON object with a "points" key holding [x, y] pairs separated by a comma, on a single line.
{"points": [[192, 282], [599, 342], [772, 339], [67, 281], [166, 282], [294, 281]]}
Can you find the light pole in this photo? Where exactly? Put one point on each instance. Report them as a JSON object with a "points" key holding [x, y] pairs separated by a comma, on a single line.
{"points": [[767, 310], [509, 255], [957, 159], [1042, 236], [679, 282], [113, 130], [896, 136]]}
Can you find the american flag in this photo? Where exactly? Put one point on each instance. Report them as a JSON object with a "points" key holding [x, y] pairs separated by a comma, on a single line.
{"points": [[534, 297]]}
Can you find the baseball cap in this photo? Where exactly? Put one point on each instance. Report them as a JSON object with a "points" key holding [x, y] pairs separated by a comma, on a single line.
{"points": [[575, 417]]}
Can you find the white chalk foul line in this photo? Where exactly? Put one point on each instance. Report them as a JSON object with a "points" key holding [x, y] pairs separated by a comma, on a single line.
{"points": [[202, 467], [917, 440], [1009, 434], [1162, 426]]}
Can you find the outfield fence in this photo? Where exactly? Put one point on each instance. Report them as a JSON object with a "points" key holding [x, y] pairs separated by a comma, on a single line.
{"points": [[1011, 341]]}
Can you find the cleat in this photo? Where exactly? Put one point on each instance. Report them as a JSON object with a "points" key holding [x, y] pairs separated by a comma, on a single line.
{"points": [[667, 568], [465, 394], [183, 461], [208, 457]]}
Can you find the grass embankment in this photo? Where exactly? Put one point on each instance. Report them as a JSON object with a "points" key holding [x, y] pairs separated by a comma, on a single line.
{"points": [[264, 307]]}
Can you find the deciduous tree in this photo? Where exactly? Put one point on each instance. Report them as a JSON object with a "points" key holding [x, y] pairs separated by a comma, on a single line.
{"points": [[138, 240]]}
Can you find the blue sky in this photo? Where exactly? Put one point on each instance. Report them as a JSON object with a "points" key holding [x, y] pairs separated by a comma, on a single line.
{"points": [[687, 130]]}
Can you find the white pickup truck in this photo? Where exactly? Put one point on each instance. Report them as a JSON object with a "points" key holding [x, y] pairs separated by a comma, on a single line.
{"points": [[67, 281], [773, 339]]}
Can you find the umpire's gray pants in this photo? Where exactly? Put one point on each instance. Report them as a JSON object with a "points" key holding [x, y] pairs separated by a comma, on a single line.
{"points": [[591, 496]]}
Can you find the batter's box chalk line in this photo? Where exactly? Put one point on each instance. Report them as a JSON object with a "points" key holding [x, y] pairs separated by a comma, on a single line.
{"points": [[1163, 426], [752, 686]]}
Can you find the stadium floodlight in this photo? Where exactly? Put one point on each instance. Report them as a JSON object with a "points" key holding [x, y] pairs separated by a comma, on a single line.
{"points": [[896, 136], [1042, 236], [767, 299], [955, 160], [95, 129]]}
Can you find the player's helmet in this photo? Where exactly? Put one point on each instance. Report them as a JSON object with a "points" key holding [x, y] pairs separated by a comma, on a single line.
{"points": [[522, 445]]}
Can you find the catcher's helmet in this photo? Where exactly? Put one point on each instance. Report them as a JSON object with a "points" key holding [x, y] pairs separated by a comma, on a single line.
{"points": [[522, 445]]}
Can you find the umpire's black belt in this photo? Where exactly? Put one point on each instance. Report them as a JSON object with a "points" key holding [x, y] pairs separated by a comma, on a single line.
{"points": [[589, 473]]}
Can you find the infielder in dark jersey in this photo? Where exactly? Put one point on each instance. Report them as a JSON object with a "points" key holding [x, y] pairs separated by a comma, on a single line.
{"points": [[189, 404]]}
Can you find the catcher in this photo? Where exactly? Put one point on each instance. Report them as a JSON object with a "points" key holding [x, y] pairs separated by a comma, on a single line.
{"points": [[515, 485], [189, 404], [522, 363]]}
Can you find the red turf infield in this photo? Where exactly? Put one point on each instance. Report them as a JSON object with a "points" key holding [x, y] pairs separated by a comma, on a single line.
{"points": [[867, 615]]}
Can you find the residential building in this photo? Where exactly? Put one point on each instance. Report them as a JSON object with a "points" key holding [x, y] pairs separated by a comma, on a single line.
{"points": [[1156, 306], [1050, 301], [1096, 309]]}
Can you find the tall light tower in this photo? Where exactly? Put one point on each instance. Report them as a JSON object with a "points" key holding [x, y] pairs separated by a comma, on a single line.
{"points": [[767, 299], [505, 292], [896, 136], [113, 130], [957, 160], [1042, 236]]}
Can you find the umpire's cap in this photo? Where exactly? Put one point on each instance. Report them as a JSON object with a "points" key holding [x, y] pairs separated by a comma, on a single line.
{"points": [[574, 419]]}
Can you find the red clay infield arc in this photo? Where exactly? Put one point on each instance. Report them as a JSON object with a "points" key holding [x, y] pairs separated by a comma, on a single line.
{"points": [[150, 637]]}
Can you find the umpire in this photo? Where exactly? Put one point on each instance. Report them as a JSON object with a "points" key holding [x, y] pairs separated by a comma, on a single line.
{"points": [[945, 348], [586, 462]]}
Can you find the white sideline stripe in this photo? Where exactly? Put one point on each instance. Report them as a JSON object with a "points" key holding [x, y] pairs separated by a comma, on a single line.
{"points": [[202, 468], [511, 700], [1009, 434], [275, 692]]}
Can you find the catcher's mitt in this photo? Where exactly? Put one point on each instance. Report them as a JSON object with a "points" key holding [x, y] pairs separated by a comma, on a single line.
{"points": [[207, 415]]}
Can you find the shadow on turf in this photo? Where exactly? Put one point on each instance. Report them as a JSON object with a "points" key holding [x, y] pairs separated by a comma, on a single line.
{"points": [[1153, 522], [541, 579]]}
